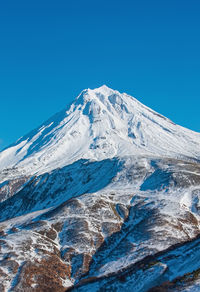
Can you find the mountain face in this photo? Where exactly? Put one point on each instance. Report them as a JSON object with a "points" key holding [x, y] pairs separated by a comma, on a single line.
{"points": [[104, 196], [100, 124]]}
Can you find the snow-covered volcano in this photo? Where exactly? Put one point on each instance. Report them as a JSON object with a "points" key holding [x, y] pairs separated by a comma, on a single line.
{"points": [[100, 123], [104, 196]]}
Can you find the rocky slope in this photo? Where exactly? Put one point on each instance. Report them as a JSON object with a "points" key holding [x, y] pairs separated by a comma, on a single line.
{"points": [[104, 196]]}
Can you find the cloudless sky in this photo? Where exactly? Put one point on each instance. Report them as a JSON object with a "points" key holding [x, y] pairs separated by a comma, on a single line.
{"points": [[51, 50]]}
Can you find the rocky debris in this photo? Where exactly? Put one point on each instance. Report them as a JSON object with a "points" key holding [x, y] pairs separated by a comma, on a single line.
{"points": [[9, 187], [45, 275]]}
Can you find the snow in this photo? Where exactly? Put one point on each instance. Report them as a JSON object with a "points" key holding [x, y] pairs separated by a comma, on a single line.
{"points": [[106, 160], [100, 124]]}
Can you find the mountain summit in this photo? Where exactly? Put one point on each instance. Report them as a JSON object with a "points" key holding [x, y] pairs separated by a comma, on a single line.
{"points": [[104, 196], [101, 123]]}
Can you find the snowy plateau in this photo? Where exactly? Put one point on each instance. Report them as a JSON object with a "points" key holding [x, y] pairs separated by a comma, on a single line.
{"points": [[104, 196]]}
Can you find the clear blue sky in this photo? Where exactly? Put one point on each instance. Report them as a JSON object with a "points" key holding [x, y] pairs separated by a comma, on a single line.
{"points": [[51, 50]]}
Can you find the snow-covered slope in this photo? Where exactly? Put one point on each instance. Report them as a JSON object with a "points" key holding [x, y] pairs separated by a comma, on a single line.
{"points": [[100, 124], [104, 196]]}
